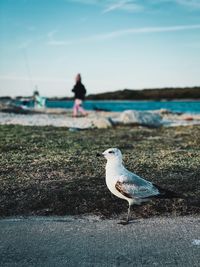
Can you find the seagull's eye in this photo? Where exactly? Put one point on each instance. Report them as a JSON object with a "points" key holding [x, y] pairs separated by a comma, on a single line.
{"points": [[111, 152]]}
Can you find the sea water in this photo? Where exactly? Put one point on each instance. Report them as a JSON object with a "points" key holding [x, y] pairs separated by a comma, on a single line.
{"points": [[192, 106]]}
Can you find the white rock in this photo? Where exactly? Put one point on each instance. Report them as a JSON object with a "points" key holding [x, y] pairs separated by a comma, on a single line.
{"points": [[139, 118], [102, 123]]}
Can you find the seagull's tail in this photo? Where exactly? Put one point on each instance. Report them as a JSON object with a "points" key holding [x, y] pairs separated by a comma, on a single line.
{"points": [[165, 193]]}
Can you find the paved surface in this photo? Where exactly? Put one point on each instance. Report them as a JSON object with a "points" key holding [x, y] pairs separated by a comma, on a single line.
{"points": [[89, 241]]}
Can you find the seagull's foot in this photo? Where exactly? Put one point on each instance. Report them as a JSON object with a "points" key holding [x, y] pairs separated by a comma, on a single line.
{"points": [[123, 222]]}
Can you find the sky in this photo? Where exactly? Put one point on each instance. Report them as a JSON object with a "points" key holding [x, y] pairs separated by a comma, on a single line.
{"points": [[113, 44]]}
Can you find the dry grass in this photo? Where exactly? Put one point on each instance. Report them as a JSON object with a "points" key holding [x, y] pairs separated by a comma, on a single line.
{"points": [[47, 170]]}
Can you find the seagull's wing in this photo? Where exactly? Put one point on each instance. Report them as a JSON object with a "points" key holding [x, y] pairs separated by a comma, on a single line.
{"points": [[135, 187]]}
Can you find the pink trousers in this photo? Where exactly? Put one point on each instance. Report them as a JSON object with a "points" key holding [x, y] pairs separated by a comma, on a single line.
{"points": [[78, 107]]}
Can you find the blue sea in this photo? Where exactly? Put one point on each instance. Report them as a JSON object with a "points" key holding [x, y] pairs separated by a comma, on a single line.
{"points": [[192, 107]]}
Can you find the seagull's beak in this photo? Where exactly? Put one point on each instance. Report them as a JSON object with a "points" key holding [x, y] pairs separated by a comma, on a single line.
{"points": [[104, 154], [100, 154]]}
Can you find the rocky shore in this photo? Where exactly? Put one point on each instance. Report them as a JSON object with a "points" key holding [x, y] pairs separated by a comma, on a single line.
{"points": [[96, 119]]}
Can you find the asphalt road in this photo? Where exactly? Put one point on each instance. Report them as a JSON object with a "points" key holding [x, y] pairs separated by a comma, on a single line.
{"points": [[89, 241]]}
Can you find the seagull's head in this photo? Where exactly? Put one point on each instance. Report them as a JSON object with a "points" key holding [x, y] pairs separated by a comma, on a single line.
{"points": [[113, 154]]}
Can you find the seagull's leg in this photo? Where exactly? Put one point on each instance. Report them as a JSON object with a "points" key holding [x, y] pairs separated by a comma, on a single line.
{"points": [[128, 215]]}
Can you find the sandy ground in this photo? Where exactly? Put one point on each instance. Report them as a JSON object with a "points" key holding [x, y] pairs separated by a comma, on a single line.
{"points": [[57, 118], [89, 241], [63, 118]]}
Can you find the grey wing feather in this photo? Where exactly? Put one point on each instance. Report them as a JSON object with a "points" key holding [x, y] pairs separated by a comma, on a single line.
{"points": [[136, 187]]}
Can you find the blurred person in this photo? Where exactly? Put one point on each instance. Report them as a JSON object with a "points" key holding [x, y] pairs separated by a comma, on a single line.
{"points": [[39, 102], [79, 96]]}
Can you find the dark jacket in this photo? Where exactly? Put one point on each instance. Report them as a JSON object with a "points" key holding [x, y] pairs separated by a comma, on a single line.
{"points": [[79, 91]]}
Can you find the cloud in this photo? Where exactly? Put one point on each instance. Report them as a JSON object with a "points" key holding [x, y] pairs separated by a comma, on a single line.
{"points": [[31, 28], [125, 5], [87, 2], [120, 33], [189, 3], [192, 4], [112, 5], [52, 41], [51, 33], [35, 79], [60, 42], [194, 45], [25, 44], [108, 6], [129, 31]]}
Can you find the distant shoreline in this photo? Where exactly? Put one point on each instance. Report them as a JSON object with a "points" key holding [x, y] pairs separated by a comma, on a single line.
{"points": [[191, 106], [131, 100], [62, 99], [150, 94], [161, 94]]}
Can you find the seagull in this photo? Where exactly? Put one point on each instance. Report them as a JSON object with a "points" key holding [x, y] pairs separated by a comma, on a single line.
{"points": [[127, 185]]}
